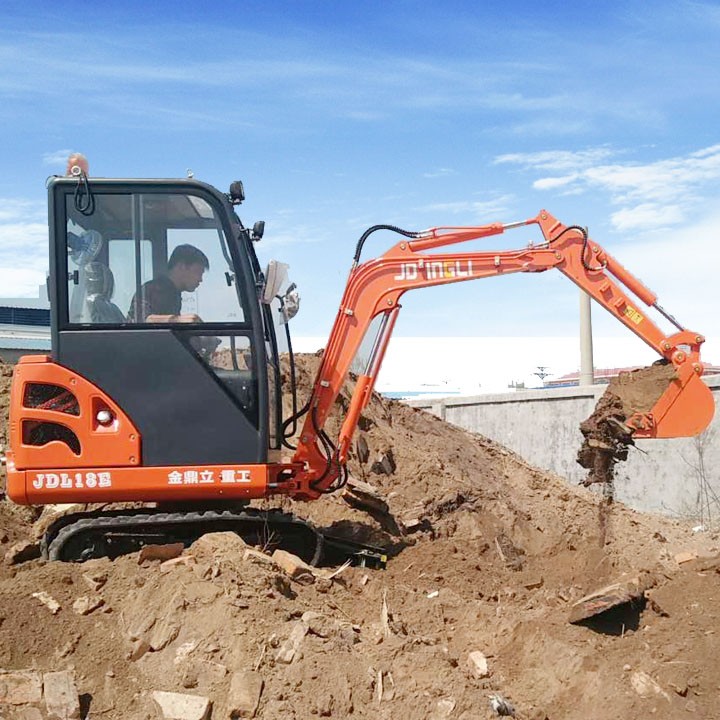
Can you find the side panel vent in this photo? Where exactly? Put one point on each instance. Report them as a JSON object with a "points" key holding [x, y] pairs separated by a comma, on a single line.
{"points": [[41, 433], [50, 397]]}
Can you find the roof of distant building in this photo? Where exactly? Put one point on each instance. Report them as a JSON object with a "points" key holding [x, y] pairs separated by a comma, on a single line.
{"points": [[608, 373]]}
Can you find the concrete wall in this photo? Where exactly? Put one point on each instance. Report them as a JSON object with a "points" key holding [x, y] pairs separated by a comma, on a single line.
{"points": [[678, 476]]}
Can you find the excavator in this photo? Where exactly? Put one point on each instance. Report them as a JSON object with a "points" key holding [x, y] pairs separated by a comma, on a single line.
{"points": [[183, 412]]}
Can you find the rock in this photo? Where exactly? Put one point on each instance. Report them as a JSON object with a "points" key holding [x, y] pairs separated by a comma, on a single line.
{"points": [[293, 566], [178, 706], [61, 695], [478, 664], [443, 709], [95, 579], [501, 706], [685, 557], [362, 449], [327, 627], [645, 686], [611, 596], [260, 558], [219, 542], [139, 648], [48, 600], [202, 673], [164, 633], [362, 495], [245, 691], [27, 713], [21, 687], [22, 551], [160, 552], [85, 605], [384, 464], [287, 651]]}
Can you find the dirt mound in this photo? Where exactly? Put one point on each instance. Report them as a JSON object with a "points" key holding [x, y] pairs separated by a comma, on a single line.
{"points": [[488, 556]]}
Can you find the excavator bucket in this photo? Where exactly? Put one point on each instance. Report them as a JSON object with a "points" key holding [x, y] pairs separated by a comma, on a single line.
{"points": [[684, 408], [660, 401]]}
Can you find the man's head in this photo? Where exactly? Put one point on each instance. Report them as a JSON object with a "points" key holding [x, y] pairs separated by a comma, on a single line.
{"points": [[186, 267], [77, 160]]}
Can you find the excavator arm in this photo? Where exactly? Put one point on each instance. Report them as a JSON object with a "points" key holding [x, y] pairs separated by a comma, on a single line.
{"points": [[374, 289]]}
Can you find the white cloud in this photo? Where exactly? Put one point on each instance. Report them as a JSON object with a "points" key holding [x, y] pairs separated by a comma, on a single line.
{"points": [[440, 172], [647, 215], [553, 183], [653, 194], [557, 160], [14, 209]]}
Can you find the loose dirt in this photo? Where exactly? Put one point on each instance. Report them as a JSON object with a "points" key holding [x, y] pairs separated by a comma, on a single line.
{"points": [[488, 554], [607, 437]]}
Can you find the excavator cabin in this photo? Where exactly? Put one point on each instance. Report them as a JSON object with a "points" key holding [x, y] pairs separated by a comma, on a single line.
{"points": [[192, 399]]}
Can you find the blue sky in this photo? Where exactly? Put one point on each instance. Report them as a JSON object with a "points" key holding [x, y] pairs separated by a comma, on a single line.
{"points": [[340, 115]]}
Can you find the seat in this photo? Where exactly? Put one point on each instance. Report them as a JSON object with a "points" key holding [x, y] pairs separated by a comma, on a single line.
{"points": [[99, 286]]}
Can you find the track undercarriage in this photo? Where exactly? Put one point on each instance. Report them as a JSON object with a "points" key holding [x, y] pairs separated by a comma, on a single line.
{"points": [[83, 536]]}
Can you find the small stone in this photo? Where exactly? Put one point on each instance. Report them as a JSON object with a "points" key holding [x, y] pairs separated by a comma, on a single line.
{"points": [[182, 561], [48, 600], [289, 649], [19, 688], [645, 686], [178, 706], [245, 691], [61, 695], [627, 668], [478, 664], [163, 634], [95, 580], [685, 557], [257, 557], [85, 605], [160, 552], [433, 594], [138, 649], [293, 566], [443, 709], [22, 551], [384, 464]]}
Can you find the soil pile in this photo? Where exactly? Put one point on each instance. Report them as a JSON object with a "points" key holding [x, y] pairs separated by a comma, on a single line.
{"points": [[488, 557]]}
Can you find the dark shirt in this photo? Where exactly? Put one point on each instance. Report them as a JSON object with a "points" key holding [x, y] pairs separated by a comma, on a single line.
{"points": [[157, 297]]}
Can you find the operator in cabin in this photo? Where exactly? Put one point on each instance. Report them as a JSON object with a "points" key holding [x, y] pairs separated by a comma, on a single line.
{"points": [[161, 297]]}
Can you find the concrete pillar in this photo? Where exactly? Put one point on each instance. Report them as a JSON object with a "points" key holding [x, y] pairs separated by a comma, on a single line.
{"points": [[587, 373]]}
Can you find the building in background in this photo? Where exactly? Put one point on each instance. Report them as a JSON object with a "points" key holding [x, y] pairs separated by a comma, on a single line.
{"points": [[603, 377], [24, 326]]}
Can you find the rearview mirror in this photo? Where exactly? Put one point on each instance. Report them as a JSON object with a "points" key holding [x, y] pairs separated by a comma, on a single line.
{"points": [[275, 278]]}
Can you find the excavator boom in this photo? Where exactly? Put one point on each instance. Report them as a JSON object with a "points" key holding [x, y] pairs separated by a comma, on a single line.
{"points": [[374, 288]]}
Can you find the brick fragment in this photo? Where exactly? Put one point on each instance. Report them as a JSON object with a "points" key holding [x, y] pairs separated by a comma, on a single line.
{"points": [[61, 695], [21, 687], [179, 706]]}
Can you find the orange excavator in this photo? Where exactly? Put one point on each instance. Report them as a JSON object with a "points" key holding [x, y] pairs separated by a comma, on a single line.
{"points": [[165, 390]]}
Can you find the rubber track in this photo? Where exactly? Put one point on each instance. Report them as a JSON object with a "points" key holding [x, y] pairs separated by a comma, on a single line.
{"points": [[72, 527]]}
